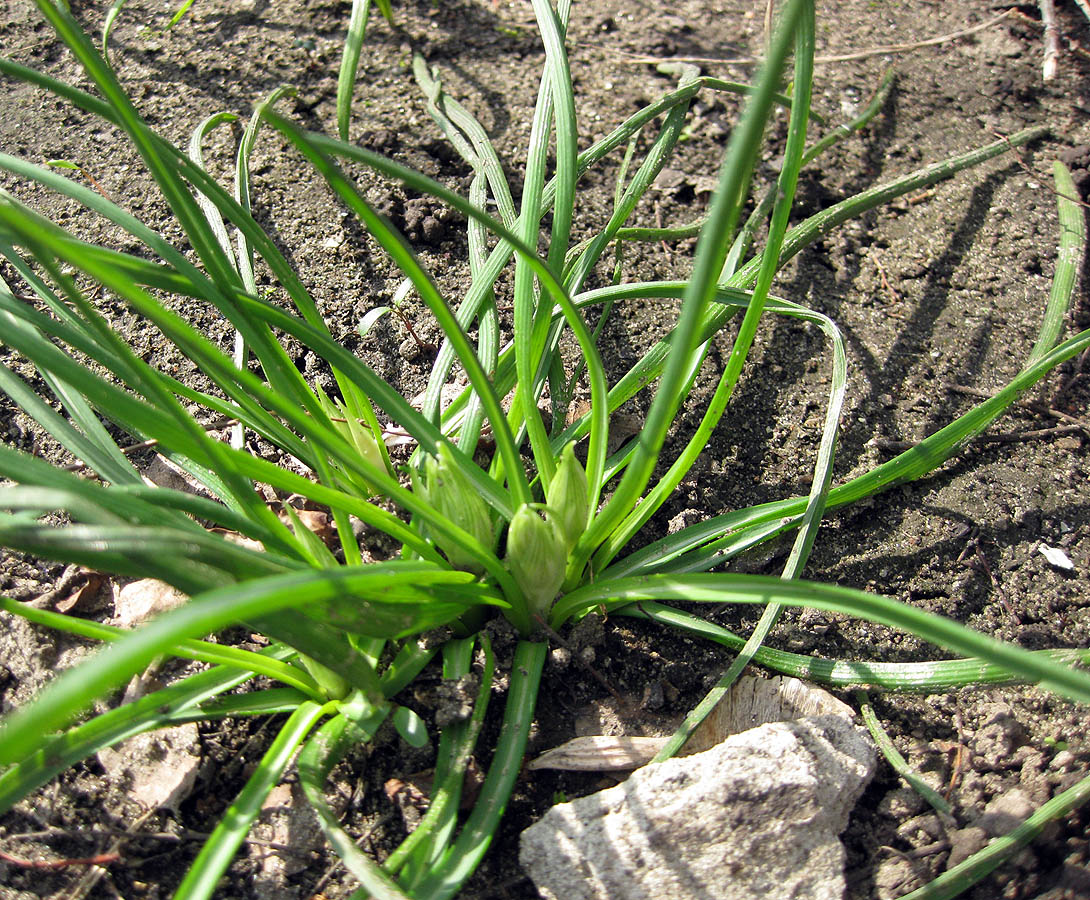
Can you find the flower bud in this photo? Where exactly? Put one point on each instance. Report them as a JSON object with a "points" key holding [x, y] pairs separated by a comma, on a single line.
{"points": [[449, 490], [537, 554], [365, 443], [567, 496]]}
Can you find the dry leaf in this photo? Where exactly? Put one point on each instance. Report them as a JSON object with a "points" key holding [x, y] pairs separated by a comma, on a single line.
{"points": [[410, 797], [239, 540], [85, 587], [600, 753], [316, 521], [161, 472]]}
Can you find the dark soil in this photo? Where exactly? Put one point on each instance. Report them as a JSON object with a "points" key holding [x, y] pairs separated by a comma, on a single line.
{"points": [[939, 290]]}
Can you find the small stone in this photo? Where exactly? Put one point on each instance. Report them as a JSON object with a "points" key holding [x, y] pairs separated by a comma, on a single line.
{"points": [[286, 819], [899, 803], [160, 767], [996, 740], [920, 830], [897, 876], [560, 658], [1063, 761], [1057, 558], [1006, 812], [964, 842], [433, 230]]}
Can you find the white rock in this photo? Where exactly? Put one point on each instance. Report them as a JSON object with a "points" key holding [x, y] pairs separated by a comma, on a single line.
{"points": [[1056, 557], [755, 817]]}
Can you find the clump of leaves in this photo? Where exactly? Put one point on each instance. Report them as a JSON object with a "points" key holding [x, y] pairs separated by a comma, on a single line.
{"points": [[526, 535]]}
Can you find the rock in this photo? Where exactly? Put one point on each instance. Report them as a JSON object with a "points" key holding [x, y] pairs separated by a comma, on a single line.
{"points": [[896, 876], [1006, 812], [160, 767], [756, 816], [920, 830], [1003, 814], [964, 842], [901, 803], [286, 820], [140, 601], [997, 738]]}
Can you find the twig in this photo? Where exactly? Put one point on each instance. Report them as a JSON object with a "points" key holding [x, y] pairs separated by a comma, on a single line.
{"points": [[103, 859], [316, 890], [1052, 39], [424, 346], [170, 837], [885, 281], [1010, 437], [1084, 6], [1042, 408], [1065, 385], [1018, 437], [1029, 171], [215, 425], [768, 24], [95, 874], [844, 57]]}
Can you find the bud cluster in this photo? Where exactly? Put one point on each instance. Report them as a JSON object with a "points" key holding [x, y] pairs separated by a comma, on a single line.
{"points": [[538, 548], [448, 489]]}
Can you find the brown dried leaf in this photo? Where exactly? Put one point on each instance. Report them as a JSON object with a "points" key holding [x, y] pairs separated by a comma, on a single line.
{"points": [[600, 753], [239, 540], [86, 586], [318, 522]]}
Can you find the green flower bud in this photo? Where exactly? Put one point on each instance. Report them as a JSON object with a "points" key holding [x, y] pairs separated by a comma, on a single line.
{"points": [[448, 489], [567, 496], [537, 554], [357, 434], [366, 445]]}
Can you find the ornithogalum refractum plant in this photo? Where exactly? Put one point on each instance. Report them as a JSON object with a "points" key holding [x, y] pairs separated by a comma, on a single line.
{"points": [[526, 535]]}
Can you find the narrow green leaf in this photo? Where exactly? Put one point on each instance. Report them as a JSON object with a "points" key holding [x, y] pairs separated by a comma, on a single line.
{"points": [[73, 691], [220, 848], [924, 677], [730, 588], [316, 760], [410, 726], [449, 874], [350, 59]]}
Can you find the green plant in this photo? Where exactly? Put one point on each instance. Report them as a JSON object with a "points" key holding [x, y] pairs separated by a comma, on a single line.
{"points": [[343, 632]]}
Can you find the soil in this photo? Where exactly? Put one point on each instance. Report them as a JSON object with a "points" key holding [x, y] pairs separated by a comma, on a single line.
{"points": [[942, 289]]}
